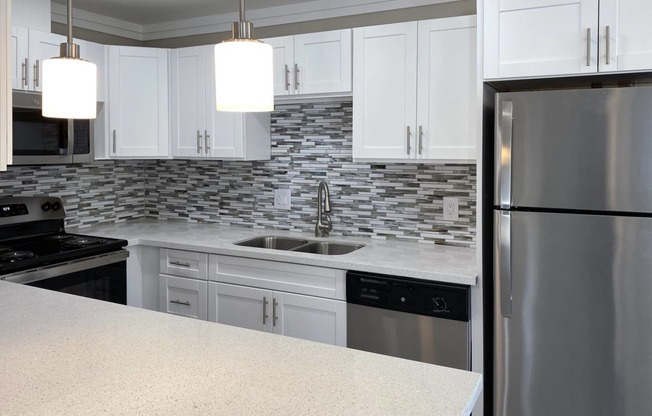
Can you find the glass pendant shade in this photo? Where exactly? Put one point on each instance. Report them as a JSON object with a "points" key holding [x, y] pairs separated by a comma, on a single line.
{"points": [[69, 88], [244, 76]]}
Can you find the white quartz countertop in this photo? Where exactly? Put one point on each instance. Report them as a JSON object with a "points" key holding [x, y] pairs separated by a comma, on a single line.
{"points": [[424, 261], [64, 354]]}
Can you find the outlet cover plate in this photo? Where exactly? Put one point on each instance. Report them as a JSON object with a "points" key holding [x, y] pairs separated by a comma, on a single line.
{"points": [[282, 199], [451, 208]]}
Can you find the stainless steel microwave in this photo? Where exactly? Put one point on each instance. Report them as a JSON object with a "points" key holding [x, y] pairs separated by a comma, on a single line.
{"points": [[39, 140]]}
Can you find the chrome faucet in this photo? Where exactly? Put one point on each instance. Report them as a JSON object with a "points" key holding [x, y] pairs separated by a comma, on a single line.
{"points": [[324, 224]]}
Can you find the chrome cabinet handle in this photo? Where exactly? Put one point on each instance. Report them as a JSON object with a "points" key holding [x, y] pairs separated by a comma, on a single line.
{"points": [[409, 134], [296, 76], [114, 144], [198, 142], [274, 317], [265, 316], [25, 64], [502, 259], [588, 46], [420, 139], [207, 141], [36, 73], [178, 263], [178, 302], [287, 78], [608, 39]]}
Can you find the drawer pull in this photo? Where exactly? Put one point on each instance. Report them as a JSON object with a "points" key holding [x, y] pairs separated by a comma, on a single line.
{"points": [[178, 263], [178, 302]]}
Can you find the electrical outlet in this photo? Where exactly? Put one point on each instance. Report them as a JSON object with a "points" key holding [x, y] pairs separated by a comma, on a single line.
{"points": [[282, 199], [451, 208]]}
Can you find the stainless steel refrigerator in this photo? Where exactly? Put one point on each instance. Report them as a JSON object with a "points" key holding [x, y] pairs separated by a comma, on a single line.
{"points": [[573, 253]]}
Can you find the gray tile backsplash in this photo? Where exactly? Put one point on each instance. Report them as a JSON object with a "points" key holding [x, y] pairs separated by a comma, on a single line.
{"points": [[310, 142]]}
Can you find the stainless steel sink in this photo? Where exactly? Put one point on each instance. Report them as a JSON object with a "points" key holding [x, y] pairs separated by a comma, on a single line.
{"points": [[328, 248], [273, 242]]}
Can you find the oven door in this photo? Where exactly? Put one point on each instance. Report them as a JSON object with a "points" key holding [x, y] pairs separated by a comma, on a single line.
{"points": [[102, 277]]}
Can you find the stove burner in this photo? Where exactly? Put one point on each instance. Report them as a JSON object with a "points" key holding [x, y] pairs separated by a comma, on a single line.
{"points": [[13, 256], [83, 242], [58, 238]]}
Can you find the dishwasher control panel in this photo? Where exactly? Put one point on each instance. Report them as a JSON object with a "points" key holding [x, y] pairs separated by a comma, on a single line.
{"points": [[442, 300]]}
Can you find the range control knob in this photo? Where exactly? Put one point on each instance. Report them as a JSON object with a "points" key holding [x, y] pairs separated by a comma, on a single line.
{"points": [[439, 304], [56, 206], [46, 206]]}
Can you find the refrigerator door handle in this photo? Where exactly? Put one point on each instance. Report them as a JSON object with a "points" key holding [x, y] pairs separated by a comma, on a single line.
{"points": [[503, 156], [503, 263]]}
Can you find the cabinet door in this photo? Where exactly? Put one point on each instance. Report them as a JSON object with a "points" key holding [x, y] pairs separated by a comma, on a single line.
{"points": [[283, 64], [447, 89], [95, 53], [323, 62], [384, 91], [308, 317], [241, 306], [19, 58], [42, 46], [138, 101], [228, 135], [526, 38], [188, 88], [628, 45], [183, 296]]}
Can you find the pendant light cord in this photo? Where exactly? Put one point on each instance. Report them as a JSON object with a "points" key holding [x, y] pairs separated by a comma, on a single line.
{"points": [[70, 21]]}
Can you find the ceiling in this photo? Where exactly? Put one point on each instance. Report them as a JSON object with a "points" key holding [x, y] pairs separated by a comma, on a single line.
{"points": [[147, 12]]}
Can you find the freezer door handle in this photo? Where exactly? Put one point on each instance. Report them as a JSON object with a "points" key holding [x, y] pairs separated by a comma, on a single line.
{"points": [[503, 263], [503, 156]]}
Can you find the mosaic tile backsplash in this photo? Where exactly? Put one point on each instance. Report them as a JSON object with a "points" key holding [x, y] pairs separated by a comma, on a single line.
{"points": [[310, 142]]}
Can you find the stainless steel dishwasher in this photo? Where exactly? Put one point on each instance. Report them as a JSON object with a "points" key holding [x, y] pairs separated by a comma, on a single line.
{"points": [[409, 318]]}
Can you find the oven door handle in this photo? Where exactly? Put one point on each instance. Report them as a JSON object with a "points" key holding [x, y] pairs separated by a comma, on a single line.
{"points": [[60, 269]]}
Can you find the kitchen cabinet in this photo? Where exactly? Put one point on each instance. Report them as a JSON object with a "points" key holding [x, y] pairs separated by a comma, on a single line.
{"points": [[198, 129], [300, 301], [31, 47], [299, 316], [555, 37], [313, 63], [414, 90], [138, 102], [183, 286]]}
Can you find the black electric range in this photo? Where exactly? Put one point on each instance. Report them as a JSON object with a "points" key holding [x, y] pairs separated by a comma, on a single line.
{"points": [[35, 249]]}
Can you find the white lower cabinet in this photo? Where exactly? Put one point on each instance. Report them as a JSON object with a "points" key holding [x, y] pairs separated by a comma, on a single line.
{"points": [[183, 296], [300, 301], [294, 315]]}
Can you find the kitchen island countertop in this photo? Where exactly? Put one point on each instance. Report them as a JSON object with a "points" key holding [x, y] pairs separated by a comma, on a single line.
{"points": [[422, 261], [64, 354]]}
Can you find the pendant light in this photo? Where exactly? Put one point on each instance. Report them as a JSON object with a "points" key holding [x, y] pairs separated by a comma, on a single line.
{"points": [[69, 83], [243, 71]]}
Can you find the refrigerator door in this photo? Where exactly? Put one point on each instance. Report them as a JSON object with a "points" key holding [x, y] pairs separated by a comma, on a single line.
{"points": [[577, 340], [575, 149]]}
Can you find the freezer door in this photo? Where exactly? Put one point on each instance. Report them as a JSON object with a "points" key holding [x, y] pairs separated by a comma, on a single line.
{"points": [[575, 149], [578, 341]]}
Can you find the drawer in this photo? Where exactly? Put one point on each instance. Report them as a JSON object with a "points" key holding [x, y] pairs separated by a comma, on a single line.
{"points": [[183, 296], [184, 263], [273, 275]]}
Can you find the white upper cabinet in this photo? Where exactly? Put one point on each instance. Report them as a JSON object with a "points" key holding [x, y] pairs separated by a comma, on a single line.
{"points": [[198, 129], [313, 63], [138, 102], [414, 91], [528, 38], [625, 35], [190, 102], [31, 47]]}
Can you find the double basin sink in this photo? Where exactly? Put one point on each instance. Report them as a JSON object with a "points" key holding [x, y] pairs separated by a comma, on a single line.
{"points": [[300, 245]]}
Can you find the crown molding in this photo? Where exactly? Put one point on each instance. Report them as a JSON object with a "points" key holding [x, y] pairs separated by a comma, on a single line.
{"points": [[271, 16]]}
